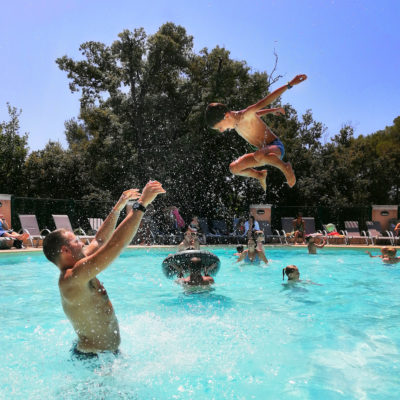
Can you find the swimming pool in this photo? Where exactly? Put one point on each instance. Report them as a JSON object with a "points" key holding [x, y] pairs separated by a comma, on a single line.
{"points": [[252, 337]]}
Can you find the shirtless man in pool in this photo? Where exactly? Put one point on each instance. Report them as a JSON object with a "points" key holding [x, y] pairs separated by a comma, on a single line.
{"points": [[83, 297], [253, 129]]}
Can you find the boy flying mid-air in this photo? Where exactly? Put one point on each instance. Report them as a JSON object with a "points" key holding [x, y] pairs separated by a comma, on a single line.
{"points": [[252, 128]]}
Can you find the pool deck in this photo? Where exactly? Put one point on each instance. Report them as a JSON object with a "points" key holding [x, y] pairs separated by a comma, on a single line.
{"points": [[266, 246]]}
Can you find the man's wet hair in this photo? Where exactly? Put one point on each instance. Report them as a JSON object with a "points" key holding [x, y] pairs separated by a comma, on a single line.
{"points": [[195, 264], [52, 244], [215, 113], [240, 248]]}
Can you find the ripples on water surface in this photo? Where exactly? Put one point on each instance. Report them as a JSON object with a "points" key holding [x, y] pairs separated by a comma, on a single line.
{"points": [[251, 337]]}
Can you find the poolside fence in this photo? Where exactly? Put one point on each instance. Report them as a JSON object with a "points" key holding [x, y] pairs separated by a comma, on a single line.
{"points": [[79, 211]]}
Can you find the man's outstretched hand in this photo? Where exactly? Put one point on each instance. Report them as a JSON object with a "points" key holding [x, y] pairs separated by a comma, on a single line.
{"points": [[298, 79], [131, 194], [150, 192]]}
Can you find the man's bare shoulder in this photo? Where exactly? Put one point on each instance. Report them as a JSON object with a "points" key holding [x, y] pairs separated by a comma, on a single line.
{"points": [[71, 287]]}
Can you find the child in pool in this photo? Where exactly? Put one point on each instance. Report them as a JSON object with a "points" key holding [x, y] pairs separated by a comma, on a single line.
{"points": [[384, 252], [391, 258], [239, 250], [312, 246], [252, 255], [196, 278], [293, 275], [388, 255], [253, 129]]}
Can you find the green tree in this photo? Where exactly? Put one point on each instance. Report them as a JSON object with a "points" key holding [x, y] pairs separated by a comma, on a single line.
{"points": [[13, 151], [142, 116]]}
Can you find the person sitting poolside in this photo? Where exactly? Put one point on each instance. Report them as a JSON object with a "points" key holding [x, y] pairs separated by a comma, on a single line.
{"points": [[252, 255], [6, 231], [239, 228], [83, 297], [299, 228], [396, 229], [195, 225], [250, 227], [177, 218], [196, 278], [190, 241], [312, 245]]}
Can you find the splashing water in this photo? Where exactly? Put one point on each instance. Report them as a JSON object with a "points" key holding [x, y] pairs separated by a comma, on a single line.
{"points": [[253, 336]]}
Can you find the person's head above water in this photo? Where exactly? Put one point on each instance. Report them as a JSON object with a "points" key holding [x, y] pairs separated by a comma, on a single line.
{"points": [[390, 252], [62, 248], [251, 244], [292, 272], [310, 239], [195, 266], [384, 250], [240, 248], [219, 117]]}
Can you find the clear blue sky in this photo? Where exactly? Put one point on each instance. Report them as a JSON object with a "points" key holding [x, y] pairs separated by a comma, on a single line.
{"points": [[350, 51]]}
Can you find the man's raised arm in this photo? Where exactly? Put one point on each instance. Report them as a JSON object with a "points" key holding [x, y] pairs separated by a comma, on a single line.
{"points": [[275, 94], [90, 266], [108, 226]]}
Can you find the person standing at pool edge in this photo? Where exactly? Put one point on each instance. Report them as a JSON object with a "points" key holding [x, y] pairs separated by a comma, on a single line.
{"points": [[253, 129], [83, 297]]}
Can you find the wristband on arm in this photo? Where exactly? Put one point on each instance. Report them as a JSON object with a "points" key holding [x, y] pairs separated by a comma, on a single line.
{"points": [[289, 86]]}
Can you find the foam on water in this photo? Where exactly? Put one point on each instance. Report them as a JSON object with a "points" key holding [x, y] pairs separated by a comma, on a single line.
{"points": [[252, 336]]}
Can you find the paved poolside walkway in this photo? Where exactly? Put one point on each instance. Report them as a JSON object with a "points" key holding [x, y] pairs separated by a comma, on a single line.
{"points": [[267, 246]]}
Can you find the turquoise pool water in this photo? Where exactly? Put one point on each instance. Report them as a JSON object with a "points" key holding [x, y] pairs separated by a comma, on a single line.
{"points": [[252, 337]]}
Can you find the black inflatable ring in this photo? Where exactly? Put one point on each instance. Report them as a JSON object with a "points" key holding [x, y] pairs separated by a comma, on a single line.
{"points": [[178, 263]]}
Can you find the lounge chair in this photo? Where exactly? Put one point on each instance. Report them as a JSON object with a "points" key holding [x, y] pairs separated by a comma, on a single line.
{"points": [[268, 234], [30, 226], [375, 233], [212, 238], [332, 235], [309, 223], [63, 222], [220, 229], [287, 228], [392, 233], [95, 223], [238, 237], [353, 232]]}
